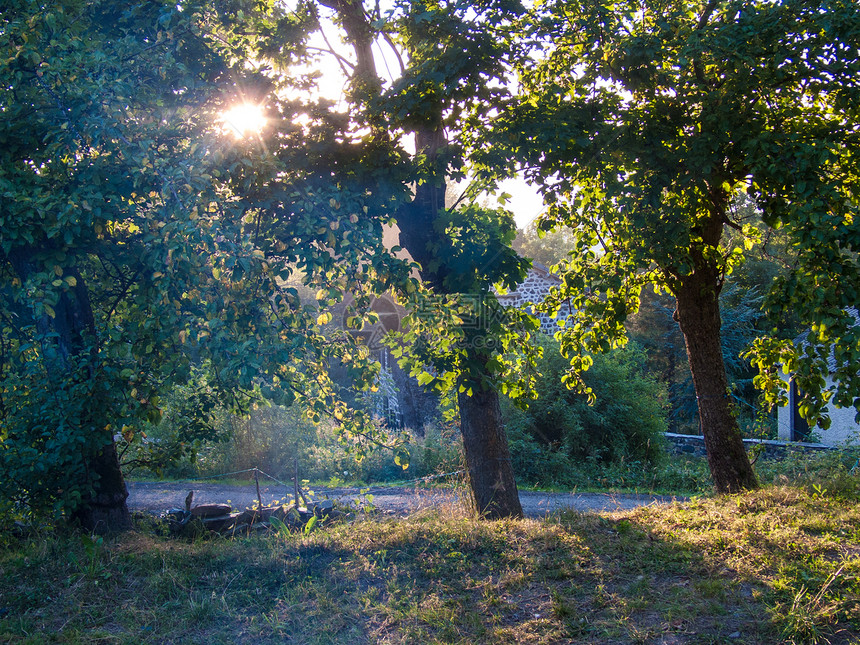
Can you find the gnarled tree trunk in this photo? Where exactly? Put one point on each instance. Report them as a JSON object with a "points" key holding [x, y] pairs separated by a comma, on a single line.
{"points": [[106, 510], [488, 459]]}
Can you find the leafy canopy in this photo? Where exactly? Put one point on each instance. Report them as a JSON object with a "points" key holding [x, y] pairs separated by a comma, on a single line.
{"points": [[642, 122], [143, 248]]}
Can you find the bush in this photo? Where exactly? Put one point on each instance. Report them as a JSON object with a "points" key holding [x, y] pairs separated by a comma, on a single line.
{"points": [[560, 429], [560, 441], [271, 438]]}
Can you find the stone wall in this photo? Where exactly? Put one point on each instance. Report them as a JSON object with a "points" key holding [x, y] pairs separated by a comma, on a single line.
{"points": [[533, 290], [690, 444]]}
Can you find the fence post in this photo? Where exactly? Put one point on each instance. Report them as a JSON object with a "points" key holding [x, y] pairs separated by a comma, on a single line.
{"points": [[257, 482]]}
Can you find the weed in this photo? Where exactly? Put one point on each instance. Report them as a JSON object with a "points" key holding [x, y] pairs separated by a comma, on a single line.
{"points": [[93, 546], [808, 619], [309, 525], [711, 588]]}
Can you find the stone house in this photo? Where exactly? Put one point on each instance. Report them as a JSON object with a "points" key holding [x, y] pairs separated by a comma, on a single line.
{"points": [[532, 290]]}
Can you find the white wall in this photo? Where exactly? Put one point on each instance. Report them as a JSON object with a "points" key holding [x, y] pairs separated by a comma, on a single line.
{"points": [[842, 428]]}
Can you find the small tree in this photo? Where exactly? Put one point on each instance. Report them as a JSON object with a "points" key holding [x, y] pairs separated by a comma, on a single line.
{"points": [[624, 423]]}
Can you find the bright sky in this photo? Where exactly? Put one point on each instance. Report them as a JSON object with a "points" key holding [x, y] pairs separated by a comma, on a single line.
{"points": [[525, 202]]}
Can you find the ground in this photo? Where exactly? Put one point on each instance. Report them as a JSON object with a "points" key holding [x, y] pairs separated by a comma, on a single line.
{"points": [[160, 496], [777, 565]]}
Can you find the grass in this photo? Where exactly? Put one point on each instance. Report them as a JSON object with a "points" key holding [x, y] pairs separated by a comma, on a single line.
{"points": [[777, 565]]}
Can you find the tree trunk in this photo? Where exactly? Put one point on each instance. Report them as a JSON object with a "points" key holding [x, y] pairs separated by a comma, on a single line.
{"points": [[488, 461], [106, 510], [73, 325], [698, 314], [485, 444]]}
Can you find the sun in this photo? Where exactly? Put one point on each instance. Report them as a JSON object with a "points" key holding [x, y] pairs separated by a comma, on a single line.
{"points": [[244, 119]]}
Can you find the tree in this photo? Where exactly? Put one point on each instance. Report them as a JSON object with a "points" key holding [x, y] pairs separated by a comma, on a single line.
{"points": [[133, 259], [454, 66], [641, 124], [548, 248], [743, 320], [77, 197]]}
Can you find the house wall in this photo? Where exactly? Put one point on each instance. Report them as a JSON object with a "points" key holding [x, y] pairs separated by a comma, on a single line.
{"points": [[842, 430], [534, 288], [783, 418], [783, 422]]}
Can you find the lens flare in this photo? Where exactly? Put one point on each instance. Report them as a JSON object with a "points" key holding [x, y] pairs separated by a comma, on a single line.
{"points": [[244, 119]]}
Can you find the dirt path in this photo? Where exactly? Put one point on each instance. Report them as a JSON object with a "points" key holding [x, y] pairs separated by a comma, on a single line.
{"points": [[160, 496]]}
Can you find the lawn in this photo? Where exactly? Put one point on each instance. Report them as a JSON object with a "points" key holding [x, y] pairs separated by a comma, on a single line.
{"points": [[780, 564]]}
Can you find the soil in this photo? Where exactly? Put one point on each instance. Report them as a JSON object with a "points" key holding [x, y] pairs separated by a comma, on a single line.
{"points": [[157, 497]]}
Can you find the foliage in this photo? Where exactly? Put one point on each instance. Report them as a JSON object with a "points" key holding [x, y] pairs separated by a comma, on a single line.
{"points": [[145, 249], [710, 118], [743, 320], [271, 438], [785, 134], [453, 57], [642, 122], [469, 338], [107, 230], [546, 247], [653, 328], [624, 424], [832, 473]]}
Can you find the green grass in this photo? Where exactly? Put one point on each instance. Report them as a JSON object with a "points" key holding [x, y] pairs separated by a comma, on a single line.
{"points": [[781, 564]]}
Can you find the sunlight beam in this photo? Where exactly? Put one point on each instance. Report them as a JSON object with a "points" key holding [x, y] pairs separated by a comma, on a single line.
{"points": [[244, 119]]}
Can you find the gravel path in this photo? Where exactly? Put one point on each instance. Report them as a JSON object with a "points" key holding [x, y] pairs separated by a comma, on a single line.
{"points": [[160, 496]]}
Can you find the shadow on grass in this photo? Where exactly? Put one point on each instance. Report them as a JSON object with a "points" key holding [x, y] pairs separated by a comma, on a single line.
{"points": [[712, 571]]}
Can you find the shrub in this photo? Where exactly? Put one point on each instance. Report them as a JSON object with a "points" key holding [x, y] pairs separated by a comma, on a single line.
{"points": [[271, 438], [625, 424], [835, 473]]}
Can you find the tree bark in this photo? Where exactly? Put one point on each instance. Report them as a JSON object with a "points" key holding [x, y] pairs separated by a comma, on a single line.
{"points": [[105, 509], [698, 313], [488, 460]]}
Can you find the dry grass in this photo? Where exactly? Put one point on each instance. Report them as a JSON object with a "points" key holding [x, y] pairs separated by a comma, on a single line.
{"points": [[780, 564]]}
